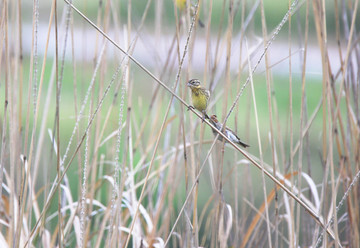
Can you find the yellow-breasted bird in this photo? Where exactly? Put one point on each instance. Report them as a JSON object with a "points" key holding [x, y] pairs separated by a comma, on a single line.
{"points": [[228, 132], [199, 96], [181, 5]]}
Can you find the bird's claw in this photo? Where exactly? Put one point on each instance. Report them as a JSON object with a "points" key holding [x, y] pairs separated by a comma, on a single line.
{"points": [[190, 107]]}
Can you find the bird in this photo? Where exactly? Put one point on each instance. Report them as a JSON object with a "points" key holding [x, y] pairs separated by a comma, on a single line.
{"points": [[199, 96], [230, 134], [181, 5]]}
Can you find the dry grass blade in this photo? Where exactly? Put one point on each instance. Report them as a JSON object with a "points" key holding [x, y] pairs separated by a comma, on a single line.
{"points": [[257, 217]]}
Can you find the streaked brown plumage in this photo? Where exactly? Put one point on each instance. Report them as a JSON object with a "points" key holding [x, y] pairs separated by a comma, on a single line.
{"points": [[228, 132]]}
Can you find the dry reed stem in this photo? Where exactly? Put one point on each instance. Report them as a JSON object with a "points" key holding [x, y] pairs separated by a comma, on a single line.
{"points": [[260, 149], [302, 117], [292, 239]]}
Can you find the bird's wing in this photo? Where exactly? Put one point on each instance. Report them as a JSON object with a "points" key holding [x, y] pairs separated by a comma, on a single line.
{"points": [[232, 136]]}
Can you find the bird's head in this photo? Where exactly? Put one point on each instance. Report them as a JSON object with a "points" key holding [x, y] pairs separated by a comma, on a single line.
{"points": [[214, 118], [194, 83]]}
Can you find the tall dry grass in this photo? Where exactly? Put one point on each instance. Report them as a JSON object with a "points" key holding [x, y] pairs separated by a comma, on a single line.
{"points": [[100, 149]]}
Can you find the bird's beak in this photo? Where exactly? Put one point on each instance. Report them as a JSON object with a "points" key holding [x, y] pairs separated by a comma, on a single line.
{"points": [[189, 84]]}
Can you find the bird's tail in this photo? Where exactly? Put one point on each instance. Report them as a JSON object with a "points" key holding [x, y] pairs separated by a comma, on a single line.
{"points": [[201, 24], [243, 144]]}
